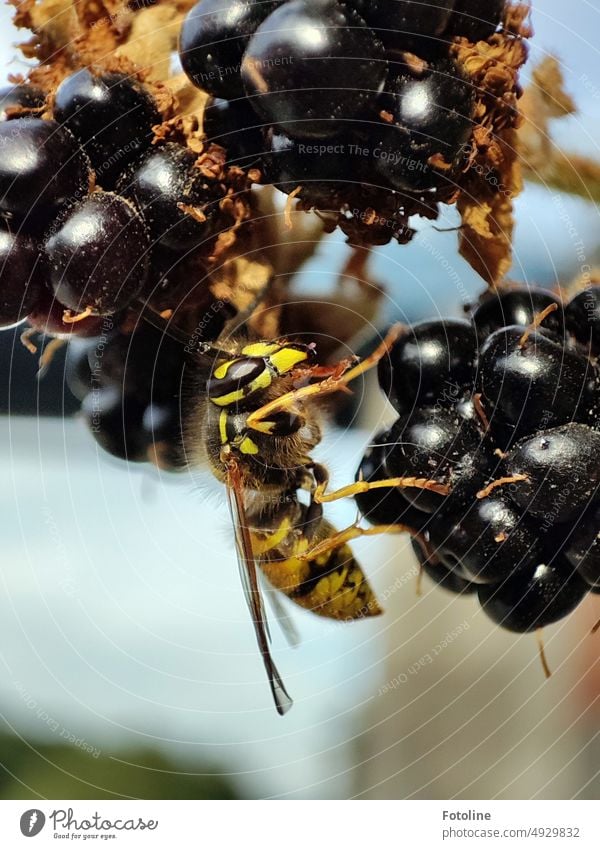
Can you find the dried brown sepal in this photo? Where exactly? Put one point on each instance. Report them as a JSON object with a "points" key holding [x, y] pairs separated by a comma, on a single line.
{"points": [[242, 281], [543, 161], [492, 176], [152, 38]]}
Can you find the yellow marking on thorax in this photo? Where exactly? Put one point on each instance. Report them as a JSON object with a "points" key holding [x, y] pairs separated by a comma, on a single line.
{"points": [[228, 400], [223, 427], [261, 382], [260, 349], [285, 359], [247, 446]]}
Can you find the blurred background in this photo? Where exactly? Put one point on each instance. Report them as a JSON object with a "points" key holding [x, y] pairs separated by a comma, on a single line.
{"points": [[128, 666]]}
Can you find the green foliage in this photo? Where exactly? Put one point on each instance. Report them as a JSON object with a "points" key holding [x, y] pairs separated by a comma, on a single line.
{"points": [[65, 772]]}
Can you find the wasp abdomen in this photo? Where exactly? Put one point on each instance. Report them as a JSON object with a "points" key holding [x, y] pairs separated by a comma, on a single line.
{"points": [[332, 584]]}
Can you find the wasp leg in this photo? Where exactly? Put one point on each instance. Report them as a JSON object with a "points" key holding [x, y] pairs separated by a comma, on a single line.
{"points": [[321, 496], [333, 383], [334, 371], [353, 532]]}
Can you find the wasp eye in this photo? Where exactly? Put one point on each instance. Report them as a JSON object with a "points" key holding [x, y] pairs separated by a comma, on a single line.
{"points": [[237, 375]]}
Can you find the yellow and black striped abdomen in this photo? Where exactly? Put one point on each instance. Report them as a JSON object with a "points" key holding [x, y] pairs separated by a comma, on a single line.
{"points": [[332, 584]]}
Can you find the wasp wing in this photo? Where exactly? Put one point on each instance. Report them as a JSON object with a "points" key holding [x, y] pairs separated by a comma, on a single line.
{"points": [[249, 576], [284, 620]]}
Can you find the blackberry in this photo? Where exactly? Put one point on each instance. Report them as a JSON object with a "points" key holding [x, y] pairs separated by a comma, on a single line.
{"points": [[544, 593], [111, 115], [98, 258], [530, 381], [301, 46], [434, 362], [321, 171], [518, 525], [561, 471], [435, 444], [21, 277], [476, 21], [446, 578], [116, 423], [212, 41], [384, 506], [517, 307], [489, 537], [161, 184], [234, 125], [582, 548], [424, 123], [582, 319], [41, 168]]}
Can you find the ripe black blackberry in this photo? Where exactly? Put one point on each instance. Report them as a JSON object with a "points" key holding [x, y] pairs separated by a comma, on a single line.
{"points": [[110, 114], [98, 257], [440, 574], [323, 83], [212, 41], [424, 123], [234, 125], [519, 518], [177, 203], [433, 363], [42, 168], [130, 385], [399, 151], [21, 276]]}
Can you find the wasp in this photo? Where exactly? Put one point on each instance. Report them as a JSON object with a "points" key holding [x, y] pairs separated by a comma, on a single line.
{"points": [[250, 412]]}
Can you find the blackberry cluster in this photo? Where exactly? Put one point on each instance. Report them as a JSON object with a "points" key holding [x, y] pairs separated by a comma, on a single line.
{"points": [[497, 445], [90, 207], [336, 100], [129, 384]]}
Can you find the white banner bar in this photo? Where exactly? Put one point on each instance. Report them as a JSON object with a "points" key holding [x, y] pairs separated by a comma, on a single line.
{"points": [[300, 824]]}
